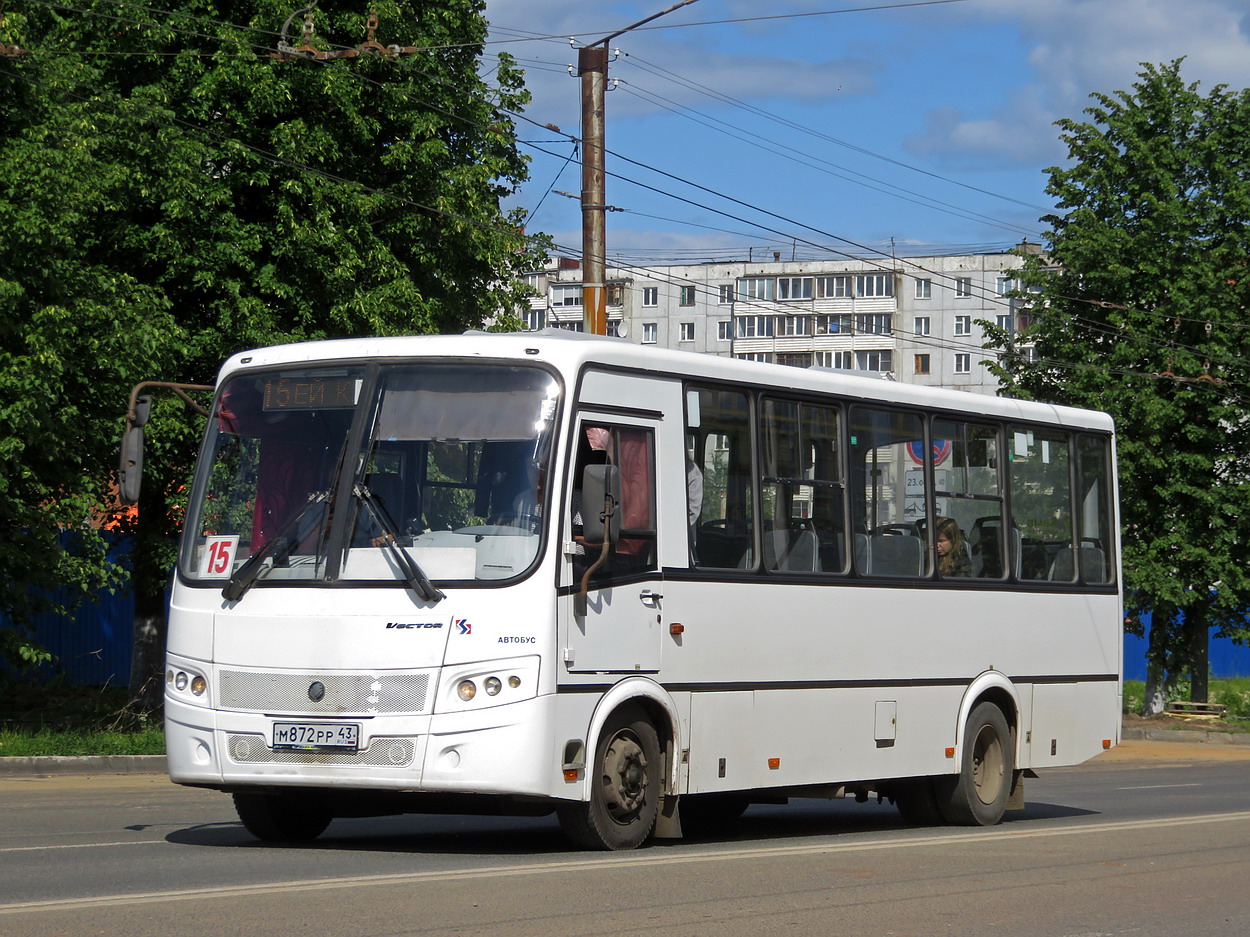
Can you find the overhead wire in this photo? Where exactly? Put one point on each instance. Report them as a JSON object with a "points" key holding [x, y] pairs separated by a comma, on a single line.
{"points": [[170, 121]]}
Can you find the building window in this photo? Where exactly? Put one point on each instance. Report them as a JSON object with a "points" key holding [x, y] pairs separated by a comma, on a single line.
{"points": [[651, 296], [533, 319], [794, 288], [613, 327], [963, 325], [724, 330], [1005, 285], [687, 331], [728, 293], [843, 360], [832, 287], [831, 325], [963, 287], [963, 363], [869, 285], [924, 289], [566, 296], [615, 294], [795, 325], [875, 360], [650, 333], [920, 325], [798, 359], [755, 326], [922, 364], [686, 296], [873, 324], [1004, 322], [755, 356], [757, 288]]}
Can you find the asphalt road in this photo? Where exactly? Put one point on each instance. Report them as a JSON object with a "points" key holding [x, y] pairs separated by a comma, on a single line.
{"points": [[1150, 839]]}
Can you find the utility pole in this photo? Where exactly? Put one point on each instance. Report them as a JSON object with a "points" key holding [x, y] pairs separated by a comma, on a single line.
{"points": [[592, 69]]}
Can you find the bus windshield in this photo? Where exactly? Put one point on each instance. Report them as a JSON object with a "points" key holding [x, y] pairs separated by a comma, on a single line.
{"points": [[449, 468]]}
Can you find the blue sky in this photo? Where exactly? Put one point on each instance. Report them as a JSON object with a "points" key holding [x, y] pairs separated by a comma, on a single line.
{"points": [[927, 123]]}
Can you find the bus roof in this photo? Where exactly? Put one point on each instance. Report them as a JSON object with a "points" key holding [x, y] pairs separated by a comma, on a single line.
{"points": [[570, 351]]}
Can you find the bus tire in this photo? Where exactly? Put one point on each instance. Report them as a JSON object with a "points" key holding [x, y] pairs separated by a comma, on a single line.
{"points": [[624, 787], [281, 818], [977, 795], [917, 802]]}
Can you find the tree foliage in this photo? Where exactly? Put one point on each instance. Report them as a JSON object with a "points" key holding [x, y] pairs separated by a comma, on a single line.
{"points": [[173, 190], [1138, 307]]}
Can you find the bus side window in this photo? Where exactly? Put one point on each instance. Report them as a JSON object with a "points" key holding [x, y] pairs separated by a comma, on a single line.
{"points": [[719, 425], [1041, 502], [801, 487]]}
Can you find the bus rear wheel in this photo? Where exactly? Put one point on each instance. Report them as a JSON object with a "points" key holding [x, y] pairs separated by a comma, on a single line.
{"points": [[977, 796], [281, 818], [624, 787]]}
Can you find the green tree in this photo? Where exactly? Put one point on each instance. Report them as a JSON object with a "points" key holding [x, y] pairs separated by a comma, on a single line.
{"points": [[172, 189], [1138, 307]]}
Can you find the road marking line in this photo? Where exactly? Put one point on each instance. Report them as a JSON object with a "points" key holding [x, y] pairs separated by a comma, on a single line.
{"points": [[647, 858], [1156, 787], [131, 842]]}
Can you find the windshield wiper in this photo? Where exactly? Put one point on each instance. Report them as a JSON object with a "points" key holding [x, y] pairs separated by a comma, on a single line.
{"points": [[412, 573], [246, 575]]}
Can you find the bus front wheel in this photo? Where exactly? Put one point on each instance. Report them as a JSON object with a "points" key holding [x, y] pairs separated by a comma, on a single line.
{"points": [[977, 795], [624, 787], [281, 818]]}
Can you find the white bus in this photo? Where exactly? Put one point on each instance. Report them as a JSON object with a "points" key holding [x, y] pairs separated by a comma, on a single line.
{"points": [[546, 572]]}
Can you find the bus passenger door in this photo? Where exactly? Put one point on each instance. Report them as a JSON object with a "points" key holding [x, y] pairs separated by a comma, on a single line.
{"points": [[612, 596]]}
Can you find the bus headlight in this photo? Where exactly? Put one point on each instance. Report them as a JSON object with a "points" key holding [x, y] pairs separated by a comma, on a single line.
{"points": [[500, 682]]}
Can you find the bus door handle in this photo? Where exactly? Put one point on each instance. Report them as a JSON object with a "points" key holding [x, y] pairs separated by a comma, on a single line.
{"points": [[650, 599]]}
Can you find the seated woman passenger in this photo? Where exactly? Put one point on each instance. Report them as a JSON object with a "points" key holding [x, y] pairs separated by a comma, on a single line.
{"points": [[952, 557]]}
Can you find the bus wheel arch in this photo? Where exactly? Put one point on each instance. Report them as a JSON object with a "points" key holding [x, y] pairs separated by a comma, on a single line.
{"points": [[624, 775], [978, 793]]}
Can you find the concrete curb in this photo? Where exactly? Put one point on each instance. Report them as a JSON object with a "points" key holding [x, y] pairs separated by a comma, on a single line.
{"points": [[20, 767], [1210, 736]]}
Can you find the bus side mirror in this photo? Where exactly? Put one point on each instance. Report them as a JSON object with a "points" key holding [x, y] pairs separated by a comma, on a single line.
{"points": [[130, 472], [601, 502]]}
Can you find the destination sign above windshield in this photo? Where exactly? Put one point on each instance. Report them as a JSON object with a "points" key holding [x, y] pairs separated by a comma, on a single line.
{"points": [[310, 393]]}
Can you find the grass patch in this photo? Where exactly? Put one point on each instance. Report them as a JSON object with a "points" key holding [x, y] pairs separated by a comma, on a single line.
{"points": [[58, 720], [1233, 692]]}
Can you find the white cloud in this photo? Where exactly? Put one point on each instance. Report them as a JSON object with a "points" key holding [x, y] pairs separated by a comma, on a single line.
{"points": [[1078, 47]]}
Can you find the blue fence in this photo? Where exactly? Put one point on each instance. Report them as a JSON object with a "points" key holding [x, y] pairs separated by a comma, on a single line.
{"points": [[1227, 658], [92, 647]]}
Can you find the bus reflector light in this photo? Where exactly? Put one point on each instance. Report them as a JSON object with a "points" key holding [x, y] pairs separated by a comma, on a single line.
{"points": [[1106, 744], [466, 690], [676, 628], [774, 764], [571, 774], [950, 753]]}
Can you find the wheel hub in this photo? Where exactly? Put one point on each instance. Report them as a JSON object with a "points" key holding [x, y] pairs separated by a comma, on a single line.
{"points": [[624, 778]]}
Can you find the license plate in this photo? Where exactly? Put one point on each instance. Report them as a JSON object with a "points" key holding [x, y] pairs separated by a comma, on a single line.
{"points": [[314, 736]]}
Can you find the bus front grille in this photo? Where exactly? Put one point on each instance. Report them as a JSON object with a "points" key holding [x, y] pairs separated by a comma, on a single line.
{"points": [[337, 693]]}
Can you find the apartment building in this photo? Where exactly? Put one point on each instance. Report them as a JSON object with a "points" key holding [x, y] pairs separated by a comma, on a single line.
{"points": [[913, 319]]}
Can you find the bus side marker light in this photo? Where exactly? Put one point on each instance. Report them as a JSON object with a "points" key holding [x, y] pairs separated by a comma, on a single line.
{"points": [[1106, 744], [572, 774], [676, 627], [774, 764], [950, 753]]}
